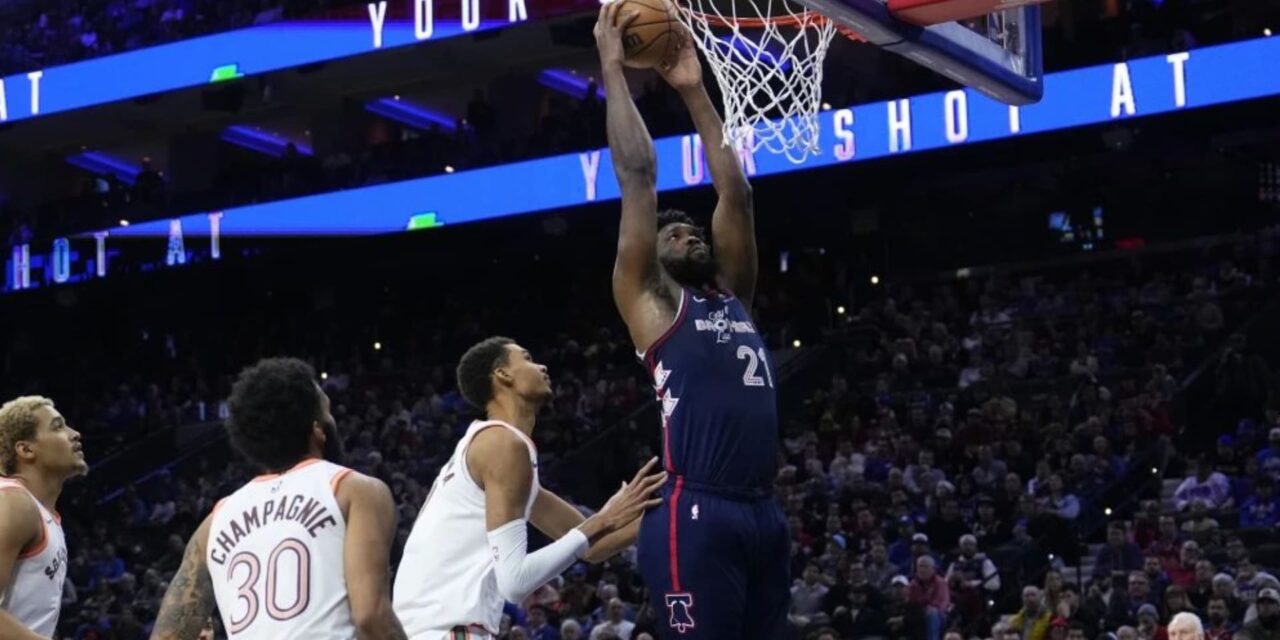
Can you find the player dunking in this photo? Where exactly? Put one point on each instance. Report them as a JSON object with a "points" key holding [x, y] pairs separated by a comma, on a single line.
{"points": [[39, 451], [301, 552], [468, 550], [715, 555]]}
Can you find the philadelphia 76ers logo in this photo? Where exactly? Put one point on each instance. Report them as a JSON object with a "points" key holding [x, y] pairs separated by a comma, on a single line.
{"points": [[679, 606]]}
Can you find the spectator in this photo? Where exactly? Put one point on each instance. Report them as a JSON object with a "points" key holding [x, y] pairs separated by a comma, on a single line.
{"points": [[616, 626], [922, 477], [1157, 576], [1200, 525], [1118, 555], [538, 629], [1267, 625], [1202, 589], [570, 630], [1272, 450], [879, 569], [860, 619], [990, 529], [929, 592], [1183, 573], [946, 529], [1149, 623], [1123, 609], [807, 595], [1220, 625], [975, 569], [1185, 626], [1260, 511], [1031, 622], [1204, 486]]}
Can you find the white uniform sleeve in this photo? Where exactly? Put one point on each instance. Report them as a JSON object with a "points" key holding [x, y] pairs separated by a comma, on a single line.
{"points": [[520, 573]]}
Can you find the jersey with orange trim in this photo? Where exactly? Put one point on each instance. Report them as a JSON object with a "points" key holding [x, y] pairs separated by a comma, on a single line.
{"points": [[34, 596], [446, 579], [275, 556]]}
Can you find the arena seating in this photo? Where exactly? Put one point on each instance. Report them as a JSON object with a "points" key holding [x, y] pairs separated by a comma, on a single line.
{"points": [[1038, 409]]}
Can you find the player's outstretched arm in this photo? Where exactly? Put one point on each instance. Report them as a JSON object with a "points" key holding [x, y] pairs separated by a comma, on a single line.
{"points": [[371, 529], [500, 462], [19, 527], [635, 271], [733, 232], [554, 518], [189, 601]]}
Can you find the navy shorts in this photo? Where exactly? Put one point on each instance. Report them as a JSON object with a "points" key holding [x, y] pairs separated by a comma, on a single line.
{"points": [[716, 566]]}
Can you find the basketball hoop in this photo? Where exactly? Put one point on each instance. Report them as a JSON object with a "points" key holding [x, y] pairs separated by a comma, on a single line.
{"points": [[767, 56]]}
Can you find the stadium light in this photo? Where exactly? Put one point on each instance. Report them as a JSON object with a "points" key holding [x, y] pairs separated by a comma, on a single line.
{"points": [[840, 309], [254, 139], [568, 82], [104, 163], [1154, 471], [875, 280], [413, 115], [324, 375], [796, 343], [377, 346], [1266, 32], [123, 222], [448, 168], [1107, 511]]}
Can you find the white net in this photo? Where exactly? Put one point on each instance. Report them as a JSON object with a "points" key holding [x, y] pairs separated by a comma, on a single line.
{"points": [[767, 56]]}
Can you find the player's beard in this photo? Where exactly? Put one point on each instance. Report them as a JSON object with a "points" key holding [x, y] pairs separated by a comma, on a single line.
{"points": [[690, 272], [334, 451]]}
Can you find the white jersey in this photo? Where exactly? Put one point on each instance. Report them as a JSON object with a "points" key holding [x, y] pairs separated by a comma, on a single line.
{"points": [[35, 588], [446, 578], [275, 556]]}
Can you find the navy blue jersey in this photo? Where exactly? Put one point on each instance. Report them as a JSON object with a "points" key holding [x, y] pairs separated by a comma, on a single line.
{"points": [[713, 377]]}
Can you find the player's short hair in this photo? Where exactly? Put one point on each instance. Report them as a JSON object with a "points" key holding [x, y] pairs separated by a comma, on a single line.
{"points": [[668, 217], [18, 422], [475, 369], [274, 406]]}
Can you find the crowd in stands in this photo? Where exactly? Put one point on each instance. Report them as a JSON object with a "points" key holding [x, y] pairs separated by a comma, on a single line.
{"points": [[941, 465], [35, 35]]}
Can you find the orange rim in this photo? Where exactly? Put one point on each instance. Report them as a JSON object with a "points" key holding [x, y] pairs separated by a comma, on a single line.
{"points": [[802, 19]]}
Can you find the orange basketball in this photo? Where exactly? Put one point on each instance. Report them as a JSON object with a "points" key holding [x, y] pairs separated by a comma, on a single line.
{"points": [[652, 37]]}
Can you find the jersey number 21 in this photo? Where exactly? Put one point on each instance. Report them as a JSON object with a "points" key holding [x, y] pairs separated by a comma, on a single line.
{"points": [[755, 362]]}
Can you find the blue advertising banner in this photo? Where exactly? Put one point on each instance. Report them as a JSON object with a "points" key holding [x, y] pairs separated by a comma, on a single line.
{"points": [[1094, 95], [258, 49]]}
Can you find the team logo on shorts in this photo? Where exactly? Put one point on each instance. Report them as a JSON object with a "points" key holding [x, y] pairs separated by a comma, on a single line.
{"points": [[679, 616]]}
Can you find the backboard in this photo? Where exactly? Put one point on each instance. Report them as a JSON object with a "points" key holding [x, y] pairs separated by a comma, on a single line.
{"points": [[999, 54]]}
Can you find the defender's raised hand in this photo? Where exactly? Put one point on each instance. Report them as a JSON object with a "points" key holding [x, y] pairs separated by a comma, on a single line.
{"points": [[634, 498]]}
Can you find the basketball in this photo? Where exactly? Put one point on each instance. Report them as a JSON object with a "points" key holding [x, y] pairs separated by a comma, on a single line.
{"points": [[652, 36]]}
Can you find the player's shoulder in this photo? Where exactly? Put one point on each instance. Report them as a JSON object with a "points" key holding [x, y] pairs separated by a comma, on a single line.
{"points": [[498, 441], [18, 512], [498, 450], [350, 485]]}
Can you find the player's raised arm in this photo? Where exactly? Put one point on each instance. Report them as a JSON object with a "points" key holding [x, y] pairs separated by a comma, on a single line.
{"points": [[733, 232], [554, 517], [636, 269], [371, 529], [19, 526], [189, 601], [501, 463]]}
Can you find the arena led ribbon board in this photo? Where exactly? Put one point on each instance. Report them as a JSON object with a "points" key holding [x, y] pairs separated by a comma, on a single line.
{"points": [[260, 49], [1093, 95]]}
